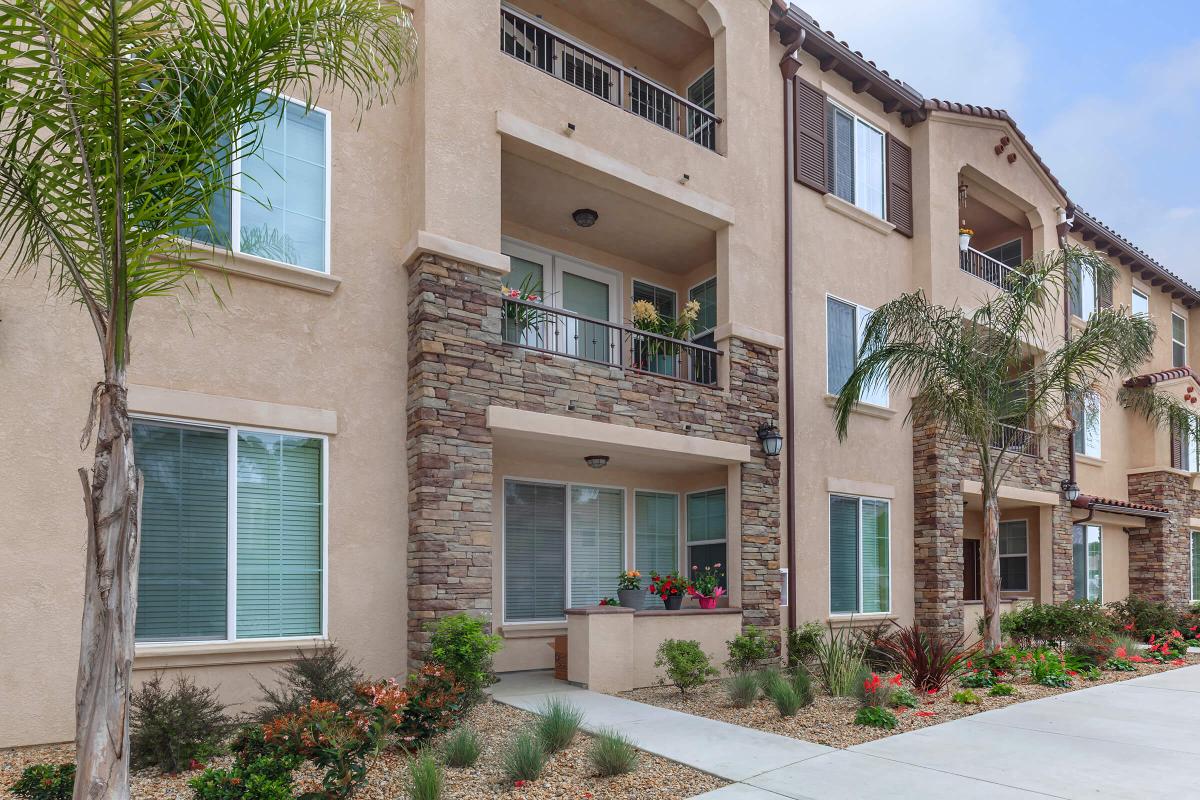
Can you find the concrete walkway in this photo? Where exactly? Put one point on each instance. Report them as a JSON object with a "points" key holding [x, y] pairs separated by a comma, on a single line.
{"points": [[1110, 741]]}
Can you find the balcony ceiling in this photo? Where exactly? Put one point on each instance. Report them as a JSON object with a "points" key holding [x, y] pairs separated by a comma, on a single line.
{"points": [[676, 38], [543, 198], [550, 454]]}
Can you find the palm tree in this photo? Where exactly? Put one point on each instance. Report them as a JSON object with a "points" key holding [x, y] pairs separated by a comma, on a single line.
{"points": [[119, 123], [973, 373]]}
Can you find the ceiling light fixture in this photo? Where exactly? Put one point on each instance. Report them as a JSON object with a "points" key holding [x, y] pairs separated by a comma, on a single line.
{"points": [[596, 462], [584, 217]]}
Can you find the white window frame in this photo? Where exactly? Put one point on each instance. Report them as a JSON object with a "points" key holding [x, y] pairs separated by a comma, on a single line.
{"points": [[687, 543], [236, 196], [1192, 534], [859, 119], [1191, 451], [829, 557], [680, 527], [1088, 293], [633, 282], [717, 288], [566, 486], [1182, 342], [1090, 413], [554, 263], [1025, 555], [859, 323], [231, 498], [1134, 294], [1100, 541]]}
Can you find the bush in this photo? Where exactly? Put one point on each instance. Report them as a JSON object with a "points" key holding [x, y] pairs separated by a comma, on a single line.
{"points": [[841, 661], [326, 674], [904, 697], [557, 724], [262, 778], [1093, 650], [742, 689], [46, 782], [1002, 690], [966, 697], [1042, 623], [802, 682], [686, 664], [788, 693], [1055, 679], [749, 650], [435, 700], [875, 717], [869, 641], [1092, 673], [461, 748], [1048, 669], [928, 660], [425, 778], [612, 754], [461, 644], [802, 644], [1117, 664], [524, 759], [171, 727], [1144, 616], [979, 679], [873, 690]]}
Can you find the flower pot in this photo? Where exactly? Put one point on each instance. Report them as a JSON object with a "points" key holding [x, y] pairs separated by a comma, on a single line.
{"points": [[964, 242], [632, 598], [707, 602], [661, 364], [673, 602]]}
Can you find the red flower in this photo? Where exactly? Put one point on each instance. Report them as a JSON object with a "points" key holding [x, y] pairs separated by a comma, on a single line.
{"points": [[518, 784], [1072, 673], [1178, 662], [901, 709], [896, 679], [932, 691], [871, 684], [926, 713], [1129, 627], [1151, 639]]}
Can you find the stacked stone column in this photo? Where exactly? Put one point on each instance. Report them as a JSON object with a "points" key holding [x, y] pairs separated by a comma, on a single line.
{"points": [[1159, 554]]}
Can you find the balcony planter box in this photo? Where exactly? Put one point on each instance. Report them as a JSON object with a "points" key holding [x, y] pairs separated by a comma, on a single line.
{"points": [[632, 598]]}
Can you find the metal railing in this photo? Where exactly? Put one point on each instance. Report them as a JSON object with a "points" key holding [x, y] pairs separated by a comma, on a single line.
{"points": [[989, 269], [545, 329], [1019, 440], [525, 39]]}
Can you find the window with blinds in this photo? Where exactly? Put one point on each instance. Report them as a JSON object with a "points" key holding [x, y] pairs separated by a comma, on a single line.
{"points": [[856, 159], [1087, 558], [845, 325], [662, 299], [535, 551], [859, 555], [274, 485], [656, 532], [706, 545], [597, 543], [1086, 437], [1014, 556]]}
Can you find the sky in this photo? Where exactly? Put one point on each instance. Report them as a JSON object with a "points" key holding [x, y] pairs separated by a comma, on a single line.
{"points": [[1107, 92]]}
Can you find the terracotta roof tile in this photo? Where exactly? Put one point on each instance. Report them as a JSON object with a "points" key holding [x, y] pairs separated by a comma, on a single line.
{"points": [[1151, 378], [1087, 501]]}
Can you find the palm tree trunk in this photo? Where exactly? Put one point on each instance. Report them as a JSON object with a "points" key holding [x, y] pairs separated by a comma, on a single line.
{"points": [[991, 571], [112, 499]]}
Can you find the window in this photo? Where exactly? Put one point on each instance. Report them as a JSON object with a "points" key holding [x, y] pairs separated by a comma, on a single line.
{"points": [[1014, 556], [280, 208], [845, 323], [548, 526], [662, 299], [1195, 566], [1140, 303], [855, 160], [703, 93], [971, 587], [706, 530], [1008, 253], [859, 555], [1185, 450], [704, 333], [1178, 341], [1088, 563], [232, 533], [656, 532], [1083, 291], [1087, 425]]}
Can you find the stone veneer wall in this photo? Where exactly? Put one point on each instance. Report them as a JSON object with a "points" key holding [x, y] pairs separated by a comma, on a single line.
{"points": [[941, 462], [459, 365], [1159, 557]]}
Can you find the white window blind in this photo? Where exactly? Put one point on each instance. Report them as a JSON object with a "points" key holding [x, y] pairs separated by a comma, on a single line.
{"points": [[1014, 556], [859, 555], [656, 532], [535, 551], [597, 543], [845, 327]]}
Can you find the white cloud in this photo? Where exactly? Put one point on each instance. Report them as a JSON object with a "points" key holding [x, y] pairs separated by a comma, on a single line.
{"points": [[961, 50]]}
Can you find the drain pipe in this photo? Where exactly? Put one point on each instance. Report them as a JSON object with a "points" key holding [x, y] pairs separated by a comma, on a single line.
{"points": [[787, 67], [1064, 225]]}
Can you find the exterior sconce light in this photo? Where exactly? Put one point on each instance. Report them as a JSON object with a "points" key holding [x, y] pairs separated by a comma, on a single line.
{"points": [[1070, 490], [585, 217], [771, 438], [596, 462]]}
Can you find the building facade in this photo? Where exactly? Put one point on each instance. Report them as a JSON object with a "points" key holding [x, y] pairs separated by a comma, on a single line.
{"points": [[433, 397]]}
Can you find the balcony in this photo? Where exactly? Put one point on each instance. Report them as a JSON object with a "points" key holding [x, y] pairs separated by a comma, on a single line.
{"points": [[535, 43], [986, 268], [535, 326], [1019, 440]]}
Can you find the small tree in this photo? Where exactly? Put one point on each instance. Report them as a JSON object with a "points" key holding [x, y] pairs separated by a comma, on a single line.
{"points": [[119, 122], [972, 373]]}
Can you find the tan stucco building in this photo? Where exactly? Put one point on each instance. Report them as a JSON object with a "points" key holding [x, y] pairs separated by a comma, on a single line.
{"points": [[365, 434]]}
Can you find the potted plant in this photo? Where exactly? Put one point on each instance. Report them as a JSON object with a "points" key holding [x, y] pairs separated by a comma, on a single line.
{"points": [[669, 588], [653, 354], [964, 239], [519, 322], [705, 585], [630, 591]]}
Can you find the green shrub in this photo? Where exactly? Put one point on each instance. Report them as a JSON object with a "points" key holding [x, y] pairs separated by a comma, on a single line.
{"points": [[524, 759], [170, 727], [785, 697], [873, 690], [742, 688], [612, 754], [1048, 669], [966, 697], [324, 674], [461, 644], [261, 778], [802, 643], [872, 641], [557, 724], [841, 661], [904, 697], [801, 681], [1092, 650], [749, 650], [462, 748], [1055, 624], [875, 717], [979, 679], [686, 664], [46, 782], [1057, 680], [1119, 665], [435, 699], [1145, 616], [425, 778], [1002, 690], [1092, 673]]}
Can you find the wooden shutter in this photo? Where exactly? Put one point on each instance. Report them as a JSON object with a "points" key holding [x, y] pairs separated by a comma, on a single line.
{"points": [[1176, 447], [899, 183], [810, 145], [1104, 291]]}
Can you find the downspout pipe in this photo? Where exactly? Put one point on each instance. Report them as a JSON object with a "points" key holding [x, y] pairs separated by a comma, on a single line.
{"points": [[1064, 225]]}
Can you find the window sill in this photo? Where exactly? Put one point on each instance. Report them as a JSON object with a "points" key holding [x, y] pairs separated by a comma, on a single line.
{"points": [[532, 630], [266, 270], [167, 649], [853, 620], [865, 409], [851, 211], [1091, 460]]}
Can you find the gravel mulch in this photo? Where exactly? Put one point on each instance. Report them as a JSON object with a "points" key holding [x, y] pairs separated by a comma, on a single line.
{"points": [[568, 775], [830, 720]]}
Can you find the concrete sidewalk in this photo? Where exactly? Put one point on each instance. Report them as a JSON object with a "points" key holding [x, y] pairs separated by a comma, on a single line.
{"points": [[1104, 742]]}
